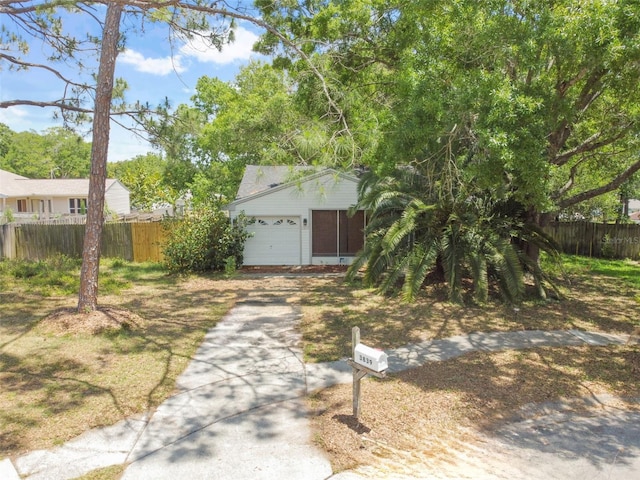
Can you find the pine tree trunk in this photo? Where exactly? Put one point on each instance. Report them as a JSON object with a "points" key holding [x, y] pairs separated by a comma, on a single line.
{"points": [[88, 296]]}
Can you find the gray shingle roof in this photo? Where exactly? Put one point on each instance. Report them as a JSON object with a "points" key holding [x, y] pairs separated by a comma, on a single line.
{"points": [[12, 185], [258, 178]]}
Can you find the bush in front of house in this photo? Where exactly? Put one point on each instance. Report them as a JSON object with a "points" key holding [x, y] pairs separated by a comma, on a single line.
{"points": [[203, 240]]}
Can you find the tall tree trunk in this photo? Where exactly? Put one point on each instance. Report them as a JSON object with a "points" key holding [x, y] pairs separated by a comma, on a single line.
{"points": [[88, 296], [541, 220]]}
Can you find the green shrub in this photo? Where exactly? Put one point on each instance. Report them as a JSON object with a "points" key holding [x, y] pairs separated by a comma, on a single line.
{"points": [[7, 216], [57, 275], [203, 240], [230, 265]]}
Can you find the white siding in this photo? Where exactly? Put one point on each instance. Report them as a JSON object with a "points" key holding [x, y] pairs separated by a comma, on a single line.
{"points": [[326, 192], [117, 199], [61, 205]]}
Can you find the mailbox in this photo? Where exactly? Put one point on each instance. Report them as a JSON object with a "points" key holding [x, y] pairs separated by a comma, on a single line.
{"points": [[371, 358]]}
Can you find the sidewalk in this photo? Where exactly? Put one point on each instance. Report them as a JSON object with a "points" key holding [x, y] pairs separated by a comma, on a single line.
{"points": [[239, 412]]}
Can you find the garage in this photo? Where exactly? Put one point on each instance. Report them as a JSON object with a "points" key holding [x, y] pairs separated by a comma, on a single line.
{"points": [[275, 240], [285, 202]]}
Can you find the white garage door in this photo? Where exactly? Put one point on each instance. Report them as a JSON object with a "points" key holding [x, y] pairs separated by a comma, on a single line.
{"points": [[275, 241]]}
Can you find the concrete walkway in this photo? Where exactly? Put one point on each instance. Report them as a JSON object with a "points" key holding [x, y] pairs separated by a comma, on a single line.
{"points": [[239, 412]]}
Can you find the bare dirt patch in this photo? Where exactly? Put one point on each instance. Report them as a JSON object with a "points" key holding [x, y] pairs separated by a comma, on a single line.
{"points": [[66, 321]]}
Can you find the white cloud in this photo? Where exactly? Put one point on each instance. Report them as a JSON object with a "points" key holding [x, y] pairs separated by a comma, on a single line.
{"points": [[154, 66], [20, 119], [13, 113], [240, 49]]}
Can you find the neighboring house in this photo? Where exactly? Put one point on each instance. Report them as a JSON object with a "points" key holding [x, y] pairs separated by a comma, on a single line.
{"points": [[52, 198], [634, 211], [299, 216]]}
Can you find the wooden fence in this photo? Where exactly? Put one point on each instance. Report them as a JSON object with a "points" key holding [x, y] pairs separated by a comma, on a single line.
{"points": [[137, 242], [597, 239], [141, 242]]}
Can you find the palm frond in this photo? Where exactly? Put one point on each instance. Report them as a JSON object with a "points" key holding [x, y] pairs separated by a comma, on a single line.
{"points": [[478, 264], [506, 261], [421, 262]]}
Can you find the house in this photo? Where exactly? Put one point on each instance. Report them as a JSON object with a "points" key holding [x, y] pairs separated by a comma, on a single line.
{"points": [[53, 198], [298, 216]]}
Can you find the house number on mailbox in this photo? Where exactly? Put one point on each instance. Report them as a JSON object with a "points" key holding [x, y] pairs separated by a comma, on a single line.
{"points": [[366, 360]]}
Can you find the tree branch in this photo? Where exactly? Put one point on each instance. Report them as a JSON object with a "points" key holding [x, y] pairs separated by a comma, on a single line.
{"points": [[43, 104], [609, 187], [26, 65], [589, 93], [589, 145]]}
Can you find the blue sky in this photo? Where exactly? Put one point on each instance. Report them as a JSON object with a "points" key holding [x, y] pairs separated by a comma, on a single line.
{"points": [[154, 69]]}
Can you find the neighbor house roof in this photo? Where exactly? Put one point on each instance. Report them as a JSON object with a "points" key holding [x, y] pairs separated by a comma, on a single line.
{"points": [[12, 185]]}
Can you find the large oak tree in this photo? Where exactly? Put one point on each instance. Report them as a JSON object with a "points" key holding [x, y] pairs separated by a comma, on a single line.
{"points": [[539, 97]]}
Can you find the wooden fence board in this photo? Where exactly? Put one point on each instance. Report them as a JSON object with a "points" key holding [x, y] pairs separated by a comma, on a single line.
{"points": [[117, 241], [597, 239], [139, 242], [7, 241], [147, 240]]}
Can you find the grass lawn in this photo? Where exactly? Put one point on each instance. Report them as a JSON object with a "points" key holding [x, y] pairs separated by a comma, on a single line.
{"points": [[57, 383]]}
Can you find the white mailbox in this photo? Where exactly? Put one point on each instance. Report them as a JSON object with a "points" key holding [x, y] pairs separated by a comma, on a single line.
{"points": [[371, 358]]}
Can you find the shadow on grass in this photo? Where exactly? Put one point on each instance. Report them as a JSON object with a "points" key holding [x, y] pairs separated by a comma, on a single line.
{"points": [[332, 308], [41, 389], [351, 422]]}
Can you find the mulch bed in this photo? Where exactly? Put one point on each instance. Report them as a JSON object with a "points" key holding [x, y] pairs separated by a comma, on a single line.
{"points": [[65, 321]]}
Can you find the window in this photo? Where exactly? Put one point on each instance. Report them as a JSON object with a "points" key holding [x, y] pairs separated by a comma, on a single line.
{"points": [[22, 205], [282, 222], [336, 234], [78, 205]]}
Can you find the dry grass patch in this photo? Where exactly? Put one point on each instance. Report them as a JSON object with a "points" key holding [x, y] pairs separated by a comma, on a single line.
{"points": [[420, 419], [331, 308]]}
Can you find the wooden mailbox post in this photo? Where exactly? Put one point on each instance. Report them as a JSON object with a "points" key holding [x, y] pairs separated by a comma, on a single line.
{"points": [[364, 360]]}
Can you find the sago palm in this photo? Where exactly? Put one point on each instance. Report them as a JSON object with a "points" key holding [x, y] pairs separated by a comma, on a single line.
{"points": [[415, 229]]}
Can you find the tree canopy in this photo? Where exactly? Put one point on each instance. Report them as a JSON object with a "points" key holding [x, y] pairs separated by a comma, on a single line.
{"points": [[55, 153], [539, 99], [143, 176]]}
